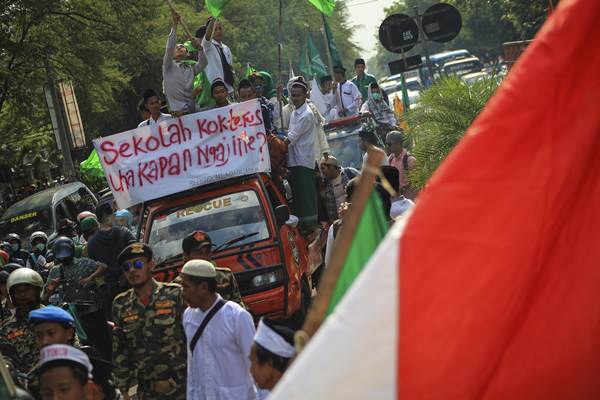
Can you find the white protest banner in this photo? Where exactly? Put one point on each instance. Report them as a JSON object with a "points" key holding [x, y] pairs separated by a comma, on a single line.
{"points": [[182, 153]]}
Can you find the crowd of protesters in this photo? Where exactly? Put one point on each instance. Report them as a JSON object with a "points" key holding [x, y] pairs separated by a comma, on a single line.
{"points": [[84, 317]]}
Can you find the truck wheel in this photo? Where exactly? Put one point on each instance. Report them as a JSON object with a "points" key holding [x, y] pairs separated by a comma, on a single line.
{"points": [[306, 299], [297, 319]]}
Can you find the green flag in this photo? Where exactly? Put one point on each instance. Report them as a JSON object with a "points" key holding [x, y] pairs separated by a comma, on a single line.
{"points": [[405, 99], [310, 61], [370, 231], [91, 168], [317, 65], [304, 64], [335, 54], [215, 7], [249, 70], [325, 6]]}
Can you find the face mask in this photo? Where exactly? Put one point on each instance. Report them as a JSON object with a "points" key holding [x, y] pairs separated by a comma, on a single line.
{"points": [[376, 96], [259, 88], [40, 246], [14, 247]]}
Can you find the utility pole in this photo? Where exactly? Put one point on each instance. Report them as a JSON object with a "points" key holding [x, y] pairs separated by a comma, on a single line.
{"points": [[423, 40], [63, 142]]}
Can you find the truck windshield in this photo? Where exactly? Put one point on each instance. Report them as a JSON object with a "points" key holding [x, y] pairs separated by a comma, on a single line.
{"points": [[223, 218]]}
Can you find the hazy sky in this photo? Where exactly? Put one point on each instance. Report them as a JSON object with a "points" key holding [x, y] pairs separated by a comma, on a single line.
{"points": [[369, 14]]}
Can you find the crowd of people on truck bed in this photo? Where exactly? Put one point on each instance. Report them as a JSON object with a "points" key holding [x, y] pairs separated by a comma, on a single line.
{"points": [[83, 318]]}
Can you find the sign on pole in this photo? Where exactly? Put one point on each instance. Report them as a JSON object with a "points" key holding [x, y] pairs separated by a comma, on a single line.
{"points": [[407, 64], [441, 22], [398, 33], [182, 153]]}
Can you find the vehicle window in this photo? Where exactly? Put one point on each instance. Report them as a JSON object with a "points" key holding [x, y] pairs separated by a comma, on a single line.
{"points": [[76, 203], [225, 218], [347, 150], [30, 221], [462, 68], [413, 85], [62, 211]]}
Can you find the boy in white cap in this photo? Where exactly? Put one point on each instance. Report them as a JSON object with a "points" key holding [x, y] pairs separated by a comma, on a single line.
{"points": [[66, 373], [271, 354], [219, 336]]}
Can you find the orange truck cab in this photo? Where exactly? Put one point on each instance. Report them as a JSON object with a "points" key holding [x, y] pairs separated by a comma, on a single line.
{"points": [[247, 219]]}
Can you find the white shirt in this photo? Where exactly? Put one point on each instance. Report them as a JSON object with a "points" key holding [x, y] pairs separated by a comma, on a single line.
{"points": [[332, 113], [219, 367], [400, 206], [349, 97], [152, 121], [302, 140], [329, 246], [214, 69]]}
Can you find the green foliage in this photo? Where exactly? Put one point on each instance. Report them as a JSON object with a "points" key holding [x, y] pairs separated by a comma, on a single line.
{"points": [[444, 113]]}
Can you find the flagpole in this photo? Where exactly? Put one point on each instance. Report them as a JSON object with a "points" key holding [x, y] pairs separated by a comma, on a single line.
{"points": [[318, 310], [279, 61], [181, 21], [327, 50], [330, 59]]}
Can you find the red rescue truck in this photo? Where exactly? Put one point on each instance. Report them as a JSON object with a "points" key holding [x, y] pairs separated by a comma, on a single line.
{"points": [[248, 220]]}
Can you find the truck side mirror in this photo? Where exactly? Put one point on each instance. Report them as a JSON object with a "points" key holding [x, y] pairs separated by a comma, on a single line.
{"points": [[282, 214]]}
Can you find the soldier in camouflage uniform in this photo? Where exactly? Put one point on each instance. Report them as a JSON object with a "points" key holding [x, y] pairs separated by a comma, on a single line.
{"points": [[24, 288], [198, 246], [149, 347]]}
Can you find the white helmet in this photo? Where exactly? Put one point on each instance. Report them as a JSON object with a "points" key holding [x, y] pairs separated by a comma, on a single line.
{"points": [[38, 235], [24, 276]]}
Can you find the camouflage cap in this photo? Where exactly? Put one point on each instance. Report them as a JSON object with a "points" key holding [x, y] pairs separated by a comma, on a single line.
{"points": [[135, 250]]}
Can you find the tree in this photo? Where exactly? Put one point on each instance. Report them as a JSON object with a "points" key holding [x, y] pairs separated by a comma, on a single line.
{"points": [[445, 112]]}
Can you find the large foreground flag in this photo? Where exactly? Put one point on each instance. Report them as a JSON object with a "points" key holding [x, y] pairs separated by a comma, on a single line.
{"points": [[369, 233], [490, 288]]}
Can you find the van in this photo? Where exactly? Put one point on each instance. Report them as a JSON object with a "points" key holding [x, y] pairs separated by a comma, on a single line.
{"points": [[248, 221], [42, 211]]}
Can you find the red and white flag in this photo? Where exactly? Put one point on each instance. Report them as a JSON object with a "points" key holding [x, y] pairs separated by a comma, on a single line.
{"points": [[491, 288]]}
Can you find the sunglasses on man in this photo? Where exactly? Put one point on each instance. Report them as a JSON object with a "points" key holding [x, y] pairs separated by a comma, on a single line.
{"points": [[137, 264]]}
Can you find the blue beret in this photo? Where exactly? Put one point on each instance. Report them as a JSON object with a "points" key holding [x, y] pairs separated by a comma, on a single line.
{"points": [[51, 314]]}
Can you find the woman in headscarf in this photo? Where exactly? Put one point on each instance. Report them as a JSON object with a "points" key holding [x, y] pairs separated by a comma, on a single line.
{"points": [[379, 110]]}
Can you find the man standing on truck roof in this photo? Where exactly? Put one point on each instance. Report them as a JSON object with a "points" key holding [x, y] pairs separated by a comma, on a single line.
{"points": [[362, 80], [198, 246], [301, 157]]}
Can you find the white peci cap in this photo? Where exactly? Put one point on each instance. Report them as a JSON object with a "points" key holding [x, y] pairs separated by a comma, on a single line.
{"points": [[199, 268]]}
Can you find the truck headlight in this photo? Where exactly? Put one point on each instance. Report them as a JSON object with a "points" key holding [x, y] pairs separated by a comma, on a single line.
{"points": [[267, 278]]}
